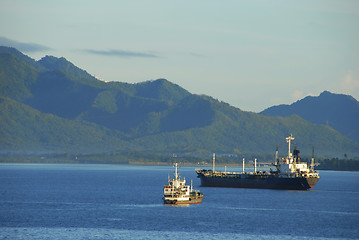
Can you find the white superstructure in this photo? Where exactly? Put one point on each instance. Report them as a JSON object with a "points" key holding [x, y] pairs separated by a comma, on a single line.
{"points": [[177, 192], [291, 165]]}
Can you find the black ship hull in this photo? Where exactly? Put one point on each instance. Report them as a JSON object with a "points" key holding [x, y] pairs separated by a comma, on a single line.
{"points": [[258, 181]]}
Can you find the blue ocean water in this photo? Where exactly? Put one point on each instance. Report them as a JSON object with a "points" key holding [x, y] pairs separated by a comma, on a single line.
{"points": [[125, 202]]}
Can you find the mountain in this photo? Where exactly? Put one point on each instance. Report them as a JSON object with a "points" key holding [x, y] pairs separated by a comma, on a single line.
{"points": [[24, 128], [51, 105], [338, 111]]}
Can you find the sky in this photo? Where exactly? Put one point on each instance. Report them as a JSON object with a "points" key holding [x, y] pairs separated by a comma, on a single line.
{"points": [[251, 54]]}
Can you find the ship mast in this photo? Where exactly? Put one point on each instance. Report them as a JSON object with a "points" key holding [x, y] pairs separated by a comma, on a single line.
{"points": [[214, 161], [176, 175], [312, 163], [289, 139]]}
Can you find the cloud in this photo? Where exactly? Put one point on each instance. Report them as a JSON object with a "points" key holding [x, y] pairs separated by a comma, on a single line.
{"points": [[297, 94], [121, 53], [24, 47], [197, 55], [350, 83]]}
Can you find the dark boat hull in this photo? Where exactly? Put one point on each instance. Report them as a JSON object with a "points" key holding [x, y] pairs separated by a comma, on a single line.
{"points": [[258, 181]]}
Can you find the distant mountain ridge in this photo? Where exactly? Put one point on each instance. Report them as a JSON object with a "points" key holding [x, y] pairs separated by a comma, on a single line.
{"points": [[52, 105], [338, 111]]}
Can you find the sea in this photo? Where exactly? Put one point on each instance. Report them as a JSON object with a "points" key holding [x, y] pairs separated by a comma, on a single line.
{"points": [[70, 201]]}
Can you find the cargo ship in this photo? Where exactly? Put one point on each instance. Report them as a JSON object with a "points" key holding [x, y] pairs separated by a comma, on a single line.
{"points": [[289, 174], [177, 192]]}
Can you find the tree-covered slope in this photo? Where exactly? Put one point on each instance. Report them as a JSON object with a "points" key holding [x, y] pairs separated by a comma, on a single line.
{"points": [[235, 131], [338, 111], [52, 105], [24, 128], [16, 76]]}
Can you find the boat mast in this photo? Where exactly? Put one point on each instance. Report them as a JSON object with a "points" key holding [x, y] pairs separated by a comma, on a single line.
{"points": [[312, 163], [243, 166], [176, 175], [214, 161], [255, 165], [276, 161], [289, 139]]}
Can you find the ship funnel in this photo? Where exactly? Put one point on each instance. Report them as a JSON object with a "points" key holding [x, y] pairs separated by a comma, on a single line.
{"points": [[296, 154]]}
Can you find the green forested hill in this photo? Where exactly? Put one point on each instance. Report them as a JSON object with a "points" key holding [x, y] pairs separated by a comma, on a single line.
{"points": [[50, 105], [24, 128], [235, 131], [338, 111]]}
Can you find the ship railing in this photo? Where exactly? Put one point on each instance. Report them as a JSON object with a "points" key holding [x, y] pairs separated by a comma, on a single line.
{"points": [[195, 191], [173, 195]]}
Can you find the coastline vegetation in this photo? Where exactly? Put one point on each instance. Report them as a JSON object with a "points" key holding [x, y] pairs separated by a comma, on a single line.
{"points": [[339, 164], [141, 158]]}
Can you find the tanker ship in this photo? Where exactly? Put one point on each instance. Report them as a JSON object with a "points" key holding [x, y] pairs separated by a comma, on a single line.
{"points": [[289, 174]]}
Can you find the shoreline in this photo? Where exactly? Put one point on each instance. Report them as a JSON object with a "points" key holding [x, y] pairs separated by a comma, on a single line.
{"points": [[131, 163]]}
